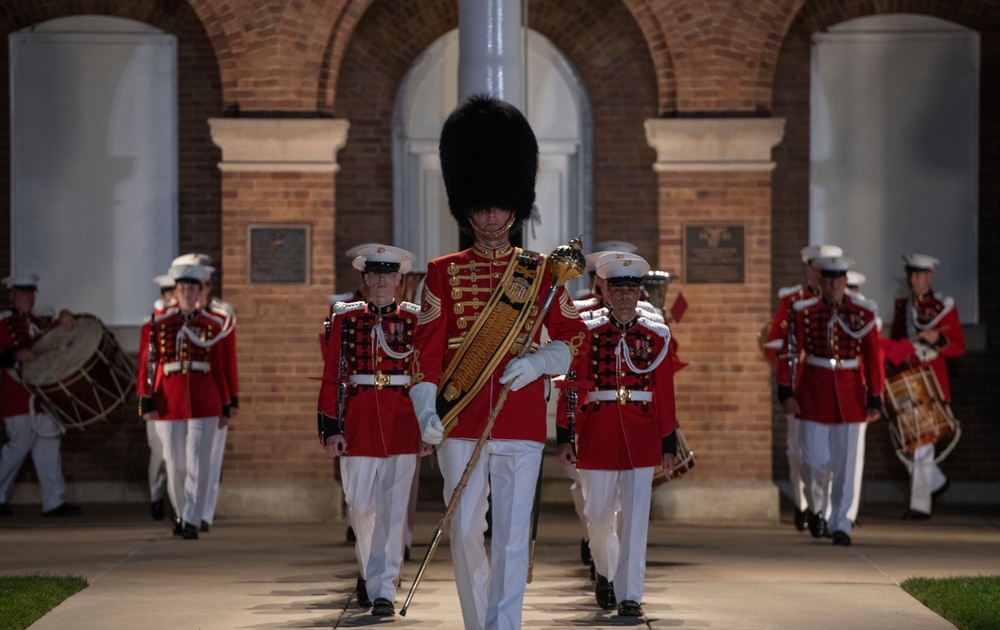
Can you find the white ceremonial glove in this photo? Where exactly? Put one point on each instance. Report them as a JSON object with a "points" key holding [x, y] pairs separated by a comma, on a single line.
{"points": [[552, 358], [423, 396], [925, 353]]}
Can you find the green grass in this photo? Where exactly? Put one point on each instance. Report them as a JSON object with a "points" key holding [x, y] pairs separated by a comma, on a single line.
{"points": [[971, 603], [25, 599]]}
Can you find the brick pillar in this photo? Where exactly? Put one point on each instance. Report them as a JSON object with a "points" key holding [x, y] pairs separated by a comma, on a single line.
{"points": [[278, 172], [718, 171]]}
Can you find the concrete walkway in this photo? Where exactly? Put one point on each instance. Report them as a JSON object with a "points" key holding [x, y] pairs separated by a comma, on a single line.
{"points": [[293, 575]]}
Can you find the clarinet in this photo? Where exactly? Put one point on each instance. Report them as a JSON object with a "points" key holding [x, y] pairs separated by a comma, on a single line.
{"points": [[342, 374], [151, 360], [792, 349], [571, 402]]}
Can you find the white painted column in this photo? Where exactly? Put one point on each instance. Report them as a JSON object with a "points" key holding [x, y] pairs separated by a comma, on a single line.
{"points": [[491, 50]]}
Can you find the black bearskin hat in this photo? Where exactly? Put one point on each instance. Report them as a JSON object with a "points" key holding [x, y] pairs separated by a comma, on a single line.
{"points": [[489, 158]]}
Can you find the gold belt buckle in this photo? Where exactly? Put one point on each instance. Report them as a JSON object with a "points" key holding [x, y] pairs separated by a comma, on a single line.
{"points": [[623, 395], [837, 364], [381, 380]]}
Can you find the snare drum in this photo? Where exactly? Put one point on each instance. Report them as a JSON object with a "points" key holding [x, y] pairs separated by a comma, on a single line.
{"points": [[80, 376], [920, 414], [683, 462]]}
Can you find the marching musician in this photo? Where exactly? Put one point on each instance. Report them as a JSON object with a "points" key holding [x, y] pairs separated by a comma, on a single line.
{"points": [[591, 297], [231, 402], [477, 307], [157, 468], [836, 339], [626, 429], [31, 430], [776, 350], [925, 331], [366, 418], [182, 386]]}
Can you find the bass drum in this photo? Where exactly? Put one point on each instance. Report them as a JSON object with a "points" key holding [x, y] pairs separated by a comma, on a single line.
{"points": [[920, 415], [80, 376], [683, 462]]}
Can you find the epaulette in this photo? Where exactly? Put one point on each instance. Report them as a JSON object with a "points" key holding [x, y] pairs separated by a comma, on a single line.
{"points": [[659, 328], [346, 307], [222, 306], [170, 312], [410, 307], [805, 303], [649, 314], [646, 306], [585, 304], [786, 291], [4, 315], [597, 312], [946, 300], [868, 305], [596, 322]]}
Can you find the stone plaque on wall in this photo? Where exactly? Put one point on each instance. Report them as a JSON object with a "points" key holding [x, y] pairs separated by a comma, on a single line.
{"points": [[713, 254], [279, 254]]}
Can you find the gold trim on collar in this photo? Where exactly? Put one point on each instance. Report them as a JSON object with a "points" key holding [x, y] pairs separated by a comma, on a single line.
{"points": [[492, 253]]}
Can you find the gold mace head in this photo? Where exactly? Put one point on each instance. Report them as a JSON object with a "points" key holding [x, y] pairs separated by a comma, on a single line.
{"points": [[567, 261]]}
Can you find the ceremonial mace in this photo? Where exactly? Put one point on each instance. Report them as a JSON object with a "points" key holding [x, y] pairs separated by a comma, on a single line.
{"points": [[567, 262]]}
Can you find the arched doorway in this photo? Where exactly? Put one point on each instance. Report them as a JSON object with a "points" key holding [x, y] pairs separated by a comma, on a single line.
{"points": [[559, 113]]}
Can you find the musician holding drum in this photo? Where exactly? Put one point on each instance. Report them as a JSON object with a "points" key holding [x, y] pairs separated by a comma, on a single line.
{"points": [[478, 308], [182, 388], [839, 389], [925, 332], [625, 430], [31, 429]]}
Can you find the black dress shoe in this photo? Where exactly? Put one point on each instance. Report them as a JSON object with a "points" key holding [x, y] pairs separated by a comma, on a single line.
{"points": [[157, 510], [361, 590], [593, 572], [628, 608], [189, 531], [351, 538], [842, 539], [604, 591], [585, 556], [203, 527], [406, 553], [5, 510], [63, 510], [915, 515], [382, 607], [817, 525], [944, 488], [801, 518]]}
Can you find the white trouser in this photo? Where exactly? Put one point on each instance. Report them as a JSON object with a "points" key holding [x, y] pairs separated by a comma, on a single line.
{"points": [[795, 462], [576, 491], [187, 451], [491, 593], [925, 478], [157, 470], [377, 491], [859, 468], [215, 474], [411, 508], [621, 561], [38, 435], [830, 469]]}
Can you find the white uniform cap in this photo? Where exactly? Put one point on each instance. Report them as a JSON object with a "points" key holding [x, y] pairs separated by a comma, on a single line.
{"points": [[165, 282], [815, 251], [594, 258], [196, 272], [353, 252], [920, 262], [622, 267], [855, 278], [615, 246], [25, 281], [835, 266], [192, 259], [383, 259]]}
